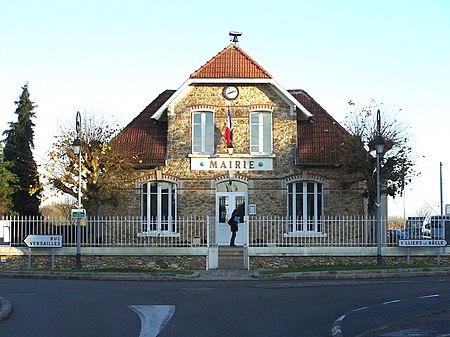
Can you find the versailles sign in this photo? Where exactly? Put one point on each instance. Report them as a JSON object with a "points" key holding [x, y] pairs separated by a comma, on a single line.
{"points": [[232, 163]]}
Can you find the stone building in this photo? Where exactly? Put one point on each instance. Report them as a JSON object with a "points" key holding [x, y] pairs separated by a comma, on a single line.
{"points": [[279, 158]]}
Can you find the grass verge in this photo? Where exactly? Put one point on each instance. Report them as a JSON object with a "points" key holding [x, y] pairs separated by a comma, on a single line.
{"points": [[345, 268]]}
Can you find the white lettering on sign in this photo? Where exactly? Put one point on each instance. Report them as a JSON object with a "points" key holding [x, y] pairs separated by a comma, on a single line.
{"points": [[422, 243], [43, 241]]}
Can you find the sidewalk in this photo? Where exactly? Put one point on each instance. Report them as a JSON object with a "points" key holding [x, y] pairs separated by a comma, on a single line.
{"points": [[227, 275]]}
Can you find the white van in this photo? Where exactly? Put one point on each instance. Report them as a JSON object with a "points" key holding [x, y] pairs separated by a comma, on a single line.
{"points": [[415, 228], [439, 226]]}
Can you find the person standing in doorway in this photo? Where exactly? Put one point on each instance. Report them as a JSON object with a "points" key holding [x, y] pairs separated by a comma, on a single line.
{"points": [[233, 222]]}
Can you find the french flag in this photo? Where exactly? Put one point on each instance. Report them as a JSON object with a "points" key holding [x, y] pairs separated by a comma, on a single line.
{"points": [[228, 131]]}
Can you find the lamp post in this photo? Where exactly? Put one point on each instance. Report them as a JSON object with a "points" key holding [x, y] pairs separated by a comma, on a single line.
{"points": [[379, 148], [76, 146]]}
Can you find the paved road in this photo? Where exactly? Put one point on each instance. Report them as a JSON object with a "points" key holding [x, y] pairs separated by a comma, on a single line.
{"points": [[217, 308]]}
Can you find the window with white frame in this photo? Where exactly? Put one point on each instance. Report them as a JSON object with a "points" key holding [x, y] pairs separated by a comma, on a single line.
{"points": [[203, 132], [261, 132], [158, 200], [305, 206]]}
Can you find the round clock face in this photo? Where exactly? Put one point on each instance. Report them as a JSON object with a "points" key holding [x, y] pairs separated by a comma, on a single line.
{"points": [[230, 92]]}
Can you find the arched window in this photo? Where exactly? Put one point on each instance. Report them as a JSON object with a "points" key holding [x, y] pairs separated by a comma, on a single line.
{"points": [[158, 206], [305, 206], [203, 132]]}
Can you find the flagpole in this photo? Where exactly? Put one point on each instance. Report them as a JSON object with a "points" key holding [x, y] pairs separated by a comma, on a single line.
{"points": [[229, 133]]}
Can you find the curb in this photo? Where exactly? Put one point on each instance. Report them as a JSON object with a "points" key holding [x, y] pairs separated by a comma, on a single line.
{"points": [[97, 276], [359, 274]]}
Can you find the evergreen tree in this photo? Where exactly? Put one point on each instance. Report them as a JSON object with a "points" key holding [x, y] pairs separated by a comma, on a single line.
{"points": [[19, 143], [8, 184]]}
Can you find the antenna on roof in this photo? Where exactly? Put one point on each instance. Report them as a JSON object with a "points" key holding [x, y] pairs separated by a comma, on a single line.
{"points": [[235, 36]]}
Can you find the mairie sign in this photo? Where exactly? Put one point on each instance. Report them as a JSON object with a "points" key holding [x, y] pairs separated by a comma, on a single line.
{"points": [[43, 241], [422, 243], [232, 163]]}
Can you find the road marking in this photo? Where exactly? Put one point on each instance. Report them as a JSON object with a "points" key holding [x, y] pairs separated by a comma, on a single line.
{"points": [[336, 329], [359, 309], [430, 296], [153, 318]]}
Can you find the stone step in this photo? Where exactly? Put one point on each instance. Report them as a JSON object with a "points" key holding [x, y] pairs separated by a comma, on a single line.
{"points": [[231, 252], [231, 258]]}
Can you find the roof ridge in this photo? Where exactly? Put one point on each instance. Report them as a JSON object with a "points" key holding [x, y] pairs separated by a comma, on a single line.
{"points": [[226, 64]]}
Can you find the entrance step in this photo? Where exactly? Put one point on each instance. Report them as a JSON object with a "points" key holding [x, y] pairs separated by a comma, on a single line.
{"points": [[231, 258]]}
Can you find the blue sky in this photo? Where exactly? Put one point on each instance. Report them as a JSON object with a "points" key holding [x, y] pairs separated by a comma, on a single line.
{"points": [[114, 57]]}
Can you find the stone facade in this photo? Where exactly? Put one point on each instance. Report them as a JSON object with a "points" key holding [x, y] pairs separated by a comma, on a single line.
{"points": [[266, 189]]}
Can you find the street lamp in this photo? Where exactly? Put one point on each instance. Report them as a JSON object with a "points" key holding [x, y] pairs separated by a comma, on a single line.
{"points": [[379, 149], [76, 146]]}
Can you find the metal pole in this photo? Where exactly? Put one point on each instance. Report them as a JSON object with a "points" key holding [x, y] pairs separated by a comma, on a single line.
{"points": [[378, 215], [379, 151], [438, 255], [78, 255], [442, 192]]}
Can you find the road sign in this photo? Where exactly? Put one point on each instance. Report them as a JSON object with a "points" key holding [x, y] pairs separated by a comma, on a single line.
{"points": [[43, 241], [78, 213], [422, 243]]}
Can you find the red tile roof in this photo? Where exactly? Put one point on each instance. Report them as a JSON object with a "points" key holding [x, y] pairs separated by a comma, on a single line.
{"points": [[144, 138], [318, 141], [231, 62], [320, 138]]}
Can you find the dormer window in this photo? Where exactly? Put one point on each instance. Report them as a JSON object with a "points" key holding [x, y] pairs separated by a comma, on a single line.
{"points": [[203, 132], [261, 132]]}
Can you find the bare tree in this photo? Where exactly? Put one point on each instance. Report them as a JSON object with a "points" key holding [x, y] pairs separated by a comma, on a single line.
{"points": [[106, 171], [358, 151]]}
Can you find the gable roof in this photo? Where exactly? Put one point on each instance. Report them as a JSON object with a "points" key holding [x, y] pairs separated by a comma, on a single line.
{"points": [[320, 137], [146, 138], [231, 62], [232, 66]]}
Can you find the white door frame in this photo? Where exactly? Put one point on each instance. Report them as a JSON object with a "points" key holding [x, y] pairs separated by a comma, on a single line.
{"points": [[223, 233]]}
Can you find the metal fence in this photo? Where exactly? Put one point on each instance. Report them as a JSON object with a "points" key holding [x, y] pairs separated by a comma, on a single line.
{"points": [[112, 231], [332, 231], [263, 231]]}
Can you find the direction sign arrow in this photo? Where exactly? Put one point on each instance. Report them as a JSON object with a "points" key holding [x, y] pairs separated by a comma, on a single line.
{"points": [[43, 241]]}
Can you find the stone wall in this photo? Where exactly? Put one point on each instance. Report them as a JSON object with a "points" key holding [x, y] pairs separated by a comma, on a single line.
{"points": [[294, 262], [105, 262]]}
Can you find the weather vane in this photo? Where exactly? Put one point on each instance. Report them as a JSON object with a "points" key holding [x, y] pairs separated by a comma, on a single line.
{"points": [[235, 36]]}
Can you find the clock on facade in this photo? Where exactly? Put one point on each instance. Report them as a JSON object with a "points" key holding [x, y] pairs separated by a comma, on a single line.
{"points": [[230, 92]]}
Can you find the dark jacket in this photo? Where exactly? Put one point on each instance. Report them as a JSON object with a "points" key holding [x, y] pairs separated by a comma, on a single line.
{"points": [[233, 224]]}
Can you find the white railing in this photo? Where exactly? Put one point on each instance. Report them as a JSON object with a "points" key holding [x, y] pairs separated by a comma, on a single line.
{"points": [[263, 231], [114, 231], [349, 231]]}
